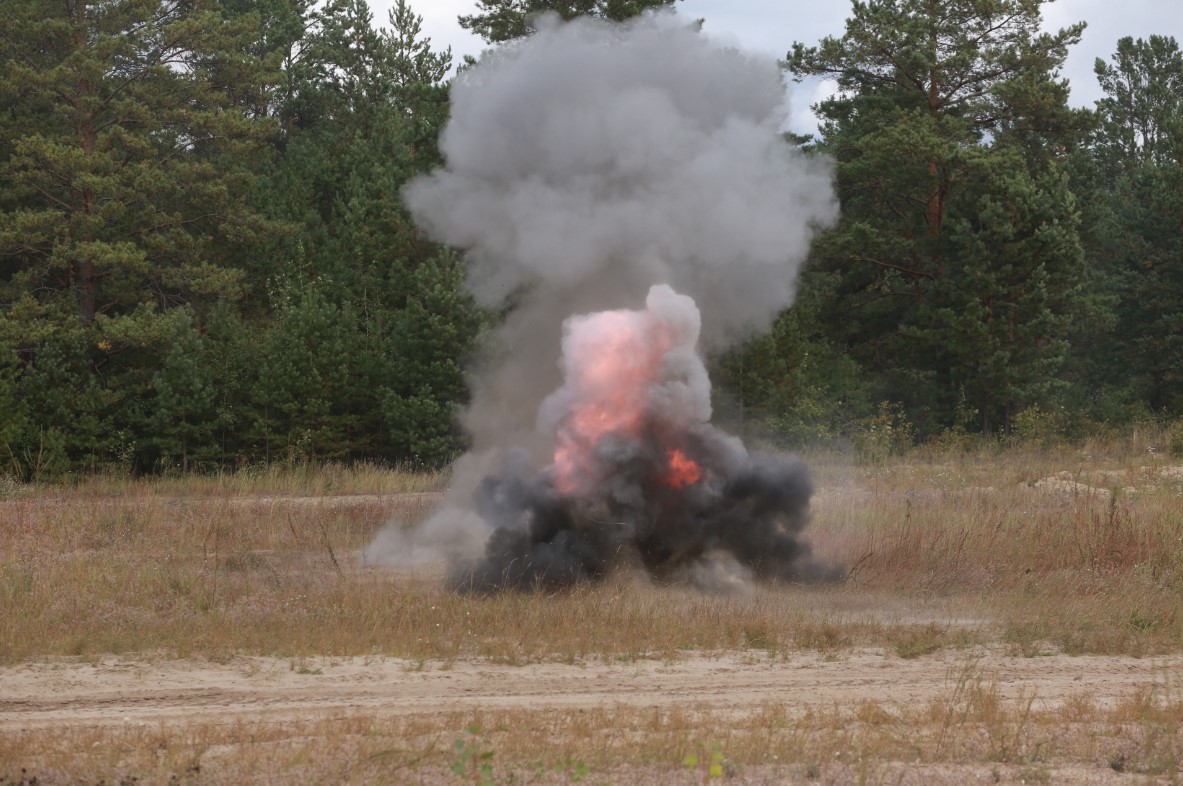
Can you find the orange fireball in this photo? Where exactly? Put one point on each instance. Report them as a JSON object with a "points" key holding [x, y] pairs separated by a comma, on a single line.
{"points": [[613, 360], [683, 471]]}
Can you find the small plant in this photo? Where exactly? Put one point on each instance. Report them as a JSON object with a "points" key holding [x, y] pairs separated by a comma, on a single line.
{"points": [[1142, 622], [301, 666], [716, 766], [1174, 438], [473, 763], [758, 637], [916, 640], [887, 433], [1159, 751], [572, 771]]}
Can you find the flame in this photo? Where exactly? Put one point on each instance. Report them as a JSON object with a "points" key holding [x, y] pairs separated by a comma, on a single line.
{"points": [[683, 471], [627, 382], [612, 360]]}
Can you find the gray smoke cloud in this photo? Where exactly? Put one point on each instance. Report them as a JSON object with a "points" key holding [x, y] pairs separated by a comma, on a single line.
{"points": [[584, 165]]}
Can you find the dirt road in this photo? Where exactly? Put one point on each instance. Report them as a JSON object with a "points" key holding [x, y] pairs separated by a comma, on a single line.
{"points": [[113, 691]]}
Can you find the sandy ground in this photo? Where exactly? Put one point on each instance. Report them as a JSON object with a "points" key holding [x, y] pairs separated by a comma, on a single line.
{"points": [[114, 691]]}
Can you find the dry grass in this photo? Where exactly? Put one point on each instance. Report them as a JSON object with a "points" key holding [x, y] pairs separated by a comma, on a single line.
{"points": [[949, 550], [946, 553], [294, 480], [1094, 569]]}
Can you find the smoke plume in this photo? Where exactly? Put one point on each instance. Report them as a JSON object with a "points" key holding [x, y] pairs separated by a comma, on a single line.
{"points": [[587, 166]]}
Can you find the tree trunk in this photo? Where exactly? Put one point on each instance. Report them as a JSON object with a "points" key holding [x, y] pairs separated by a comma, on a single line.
{"points": [[935, 214], [86, 283]]}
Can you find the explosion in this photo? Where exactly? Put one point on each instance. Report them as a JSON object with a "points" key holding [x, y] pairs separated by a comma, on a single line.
{"points": [[639, 474], [585, 166], [617, 366]]}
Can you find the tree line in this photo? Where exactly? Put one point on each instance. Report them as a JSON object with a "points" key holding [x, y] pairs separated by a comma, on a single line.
{"points": [[205, 261]]}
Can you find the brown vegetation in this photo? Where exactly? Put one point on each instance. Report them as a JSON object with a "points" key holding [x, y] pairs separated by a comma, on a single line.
{"points": [[950, 553]]}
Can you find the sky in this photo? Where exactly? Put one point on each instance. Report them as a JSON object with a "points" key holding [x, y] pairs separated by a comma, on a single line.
{"points": [[771, 26]]}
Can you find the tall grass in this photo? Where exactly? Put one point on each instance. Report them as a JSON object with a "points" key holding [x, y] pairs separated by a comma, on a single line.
{"points": [[945, 549]]}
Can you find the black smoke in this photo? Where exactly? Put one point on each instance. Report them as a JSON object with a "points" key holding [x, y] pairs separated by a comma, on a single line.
{"points": [[752, 508]]}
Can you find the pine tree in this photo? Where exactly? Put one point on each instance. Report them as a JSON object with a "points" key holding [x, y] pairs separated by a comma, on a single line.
{"points": [[425, 345], [184, 420], [126, 189], [1129, 180], [1149, 236], [310, 396], [506, 20], [1142, 111], [129, 151], [398, 296], [14, 416], [957, 258]]}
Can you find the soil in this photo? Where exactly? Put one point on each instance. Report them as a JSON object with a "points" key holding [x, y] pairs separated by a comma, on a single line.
{"points": [[141, 691]]}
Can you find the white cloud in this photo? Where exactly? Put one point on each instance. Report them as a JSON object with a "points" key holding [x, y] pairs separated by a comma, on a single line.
{"points": [[1107, 22], [771, 27]]}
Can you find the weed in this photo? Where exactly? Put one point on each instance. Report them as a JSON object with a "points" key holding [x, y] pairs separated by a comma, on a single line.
{"points": [[758, 637], [716, 765], [473, 763], [572, 770], [1040, 774], [916, 640]]}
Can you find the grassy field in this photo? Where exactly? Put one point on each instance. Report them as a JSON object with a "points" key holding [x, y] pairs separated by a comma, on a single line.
{"points": [[1020, 552]]}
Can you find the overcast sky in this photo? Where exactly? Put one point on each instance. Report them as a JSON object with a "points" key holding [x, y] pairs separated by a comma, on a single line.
{"points": [[772, 26]]}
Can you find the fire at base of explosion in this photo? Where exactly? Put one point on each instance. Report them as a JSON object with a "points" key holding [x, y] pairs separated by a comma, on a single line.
{"points": [[640, 476], [745, 528]]}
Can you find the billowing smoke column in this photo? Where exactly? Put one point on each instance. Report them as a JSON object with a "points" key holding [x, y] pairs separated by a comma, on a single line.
{"points": [[587, 166]]}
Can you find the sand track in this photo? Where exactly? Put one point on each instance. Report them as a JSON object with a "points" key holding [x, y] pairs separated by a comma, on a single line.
{"points": [[116, 691]]}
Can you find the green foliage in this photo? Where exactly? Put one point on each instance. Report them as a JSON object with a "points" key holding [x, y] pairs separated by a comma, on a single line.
{"points": [[69, 412], [791, 385], [1133, 180], [14, 414], [124, 193], [184, 417], [506, 20], [424, 346], [389, 304], [572, 770], [205, 259], [473, 763], [1040, 428], [887, 433], [1175, 439], [957, 267], [309, 390], [1141, 113], [716, 765]]}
